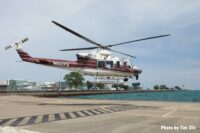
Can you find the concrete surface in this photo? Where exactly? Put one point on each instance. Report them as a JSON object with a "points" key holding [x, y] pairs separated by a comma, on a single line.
{"points": [[62, 115]]}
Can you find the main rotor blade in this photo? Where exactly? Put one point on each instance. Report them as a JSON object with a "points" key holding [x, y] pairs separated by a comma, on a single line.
{"points": [[121, 53], [137, 40], [77, 34], [74, 49]]}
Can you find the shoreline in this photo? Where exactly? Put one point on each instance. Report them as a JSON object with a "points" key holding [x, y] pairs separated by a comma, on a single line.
{"points": [[44, 93], [135, 100], [184, 96]]}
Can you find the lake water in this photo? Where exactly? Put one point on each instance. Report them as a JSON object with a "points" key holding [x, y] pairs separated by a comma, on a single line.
{"points": [[176, 96]]}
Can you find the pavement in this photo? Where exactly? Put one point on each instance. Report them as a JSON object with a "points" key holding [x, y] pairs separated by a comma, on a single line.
{"points": [[63, 115]]}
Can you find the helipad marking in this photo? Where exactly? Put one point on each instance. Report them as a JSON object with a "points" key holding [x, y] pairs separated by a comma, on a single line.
{"points": [[29, 120], [81, 114], [72, 115], [104, 110], [97, 110], [76, 114], [32, 120], [4, 121], [165, 115], [88, 112], [67, 115], [92, 112], [17, 121], [45, 118], [57, 117], [85, 113]]}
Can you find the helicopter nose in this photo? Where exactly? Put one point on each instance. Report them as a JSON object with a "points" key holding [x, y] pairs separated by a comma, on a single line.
{"points": [[137, 70]]}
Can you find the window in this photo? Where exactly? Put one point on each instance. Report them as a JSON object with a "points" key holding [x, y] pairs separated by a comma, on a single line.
{"points": [[101, 64], [118, 64], [107, 64]]}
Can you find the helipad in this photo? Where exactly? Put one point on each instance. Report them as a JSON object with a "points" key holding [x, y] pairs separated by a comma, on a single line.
{"points": [[51, 115]]}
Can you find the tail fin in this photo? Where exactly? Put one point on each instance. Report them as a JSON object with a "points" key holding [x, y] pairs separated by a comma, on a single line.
{"points": [[23, 55]]}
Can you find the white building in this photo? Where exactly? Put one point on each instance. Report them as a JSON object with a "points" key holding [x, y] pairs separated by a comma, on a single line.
{"points": [[4, 84]]}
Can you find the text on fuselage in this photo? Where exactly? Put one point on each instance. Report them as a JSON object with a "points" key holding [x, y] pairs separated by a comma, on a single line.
{"points": [[57, 63]]}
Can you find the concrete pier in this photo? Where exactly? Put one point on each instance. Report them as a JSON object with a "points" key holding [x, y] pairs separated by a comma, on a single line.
{"points": [[62, 115]]}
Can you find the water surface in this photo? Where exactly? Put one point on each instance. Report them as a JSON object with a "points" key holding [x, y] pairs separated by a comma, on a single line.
{"points": [[176, 96]]}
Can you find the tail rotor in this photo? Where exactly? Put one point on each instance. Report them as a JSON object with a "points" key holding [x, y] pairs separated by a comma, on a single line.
{"points": [[17, 44]]}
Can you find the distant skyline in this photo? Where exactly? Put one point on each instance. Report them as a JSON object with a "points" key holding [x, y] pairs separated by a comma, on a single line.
{"points": [[173, 60]]}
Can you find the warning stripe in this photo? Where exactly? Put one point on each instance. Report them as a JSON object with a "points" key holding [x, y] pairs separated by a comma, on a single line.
{"points": [[29, 120]]}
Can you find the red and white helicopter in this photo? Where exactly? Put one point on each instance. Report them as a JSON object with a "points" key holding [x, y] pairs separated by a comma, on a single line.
{"points": [[98, 63]]}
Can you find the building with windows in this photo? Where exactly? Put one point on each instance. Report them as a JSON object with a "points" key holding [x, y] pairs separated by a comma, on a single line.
{"points": [[62, 85], [4, 84], [136, 86], [21, 85]]}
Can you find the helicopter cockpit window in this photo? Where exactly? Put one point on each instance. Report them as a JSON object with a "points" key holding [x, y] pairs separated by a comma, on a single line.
{"points": [[129, 64]]}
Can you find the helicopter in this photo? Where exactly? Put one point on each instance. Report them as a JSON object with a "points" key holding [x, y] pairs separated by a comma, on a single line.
{"points": [[98, 62]]}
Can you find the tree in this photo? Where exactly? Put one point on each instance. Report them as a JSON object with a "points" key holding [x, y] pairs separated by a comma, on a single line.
{"points": [[125, 87], [164, 87], [115, 86], [177, 88], [100, 85], [89, 85], [156, 87], [74, 79]]}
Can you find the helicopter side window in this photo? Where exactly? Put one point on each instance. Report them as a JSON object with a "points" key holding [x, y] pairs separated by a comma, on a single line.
{"points": [[109, 64], [101, 64], [125, 63], [118, 64]]}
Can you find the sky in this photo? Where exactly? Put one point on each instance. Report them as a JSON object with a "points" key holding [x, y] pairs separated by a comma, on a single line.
{"points": [[173, 60]]}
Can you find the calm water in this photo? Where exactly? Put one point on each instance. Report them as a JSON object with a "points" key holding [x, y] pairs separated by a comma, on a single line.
{"points": [[177, 96]]}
